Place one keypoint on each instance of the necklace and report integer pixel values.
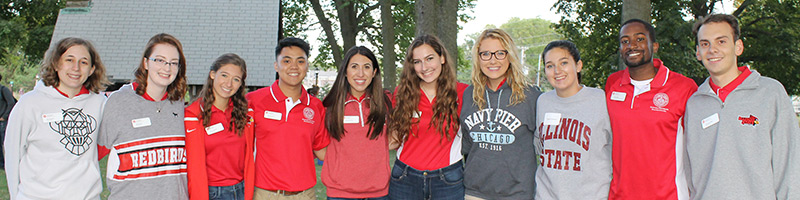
(160, 105)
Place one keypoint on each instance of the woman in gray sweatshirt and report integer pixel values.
(497, 122)
(574, 137)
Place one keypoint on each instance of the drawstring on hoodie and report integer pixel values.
(489, 102)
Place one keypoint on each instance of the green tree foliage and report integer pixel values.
(770, 31)
(362, 28)
(26, 27)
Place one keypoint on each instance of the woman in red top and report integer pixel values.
(425, 124)
(219, 135)
(357, 159)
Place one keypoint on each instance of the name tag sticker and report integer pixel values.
(214, 128)
(710, 120)
(272, 115)
(618, 96)
(51, 117)
(141, 122)
(351, 119)
(552, 118)
(417, 114)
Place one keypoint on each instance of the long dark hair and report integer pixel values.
(445, 109)
(334, 101)
(239, 113)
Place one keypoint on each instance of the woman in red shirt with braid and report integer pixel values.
(219, 135)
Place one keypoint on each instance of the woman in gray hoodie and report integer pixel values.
(498, 121)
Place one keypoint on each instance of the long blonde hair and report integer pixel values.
(515, 77)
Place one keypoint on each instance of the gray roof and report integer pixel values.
(120, 29)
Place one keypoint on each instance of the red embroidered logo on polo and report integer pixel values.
(660, 100)
(752, 120)
(308, 113)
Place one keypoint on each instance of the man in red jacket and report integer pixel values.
(646, 104)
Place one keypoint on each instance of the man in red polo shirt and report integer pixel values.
(288, 128)
(646, 103)
(742, 137)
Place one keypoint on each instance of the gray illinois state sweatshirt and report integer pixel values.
(745, 148)
(498, 145)
(574, 146)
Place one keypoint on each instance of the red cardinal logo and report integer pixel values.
(752, 120)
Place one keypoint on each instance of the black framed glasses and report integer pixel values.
(162, 62)
(499, 54)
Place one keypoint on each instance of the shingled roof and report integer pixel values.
(120, 29)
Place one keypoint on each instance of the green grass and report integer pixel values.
(320, 188)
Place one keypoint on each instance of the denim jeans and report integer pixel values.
(374, 198)
(233, 192)
(440, 184)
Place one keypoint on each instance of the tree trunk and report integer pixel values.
(634, 9)
(389, 67)
(326, 26)
(348, 24)
(440, 18)
(448, 29)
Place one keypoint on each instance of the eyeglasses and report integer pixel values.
(499, 54)
(162, 62)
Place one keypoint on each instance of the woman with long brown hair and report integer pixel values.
(425, 124)
(219, 135)
(357, 159)
(50, 145)
(143, 126)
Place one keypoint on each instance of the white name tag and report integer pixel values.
(141, 122)
(618, 96)
(417, 114)
(51, 117)
(552, 118)
(351, 119)
(214, 128)
(710, 120)
(272, 115)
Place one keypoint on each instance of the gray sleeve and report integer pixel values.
(785, 149)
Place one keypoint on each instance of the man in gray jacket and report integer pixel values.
(742, 138)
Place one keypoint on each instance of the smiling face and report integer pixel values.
(495, 69)
(359, 74)
(162, 66)
(74, 67)
(635, 46)
(227, 80)
(427, 63)
(292, 66)
(562, 71)
(717, 49)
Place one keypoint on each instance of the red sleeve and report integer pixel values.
(321, 138)
(249, 161)
(195, 155)
(102, 152)
(611, 79)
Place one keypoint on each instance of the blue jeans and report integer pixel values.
(233, 192)
(440, 184)
(374, 198)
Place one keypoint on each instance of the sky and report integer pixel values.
(498, 12)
